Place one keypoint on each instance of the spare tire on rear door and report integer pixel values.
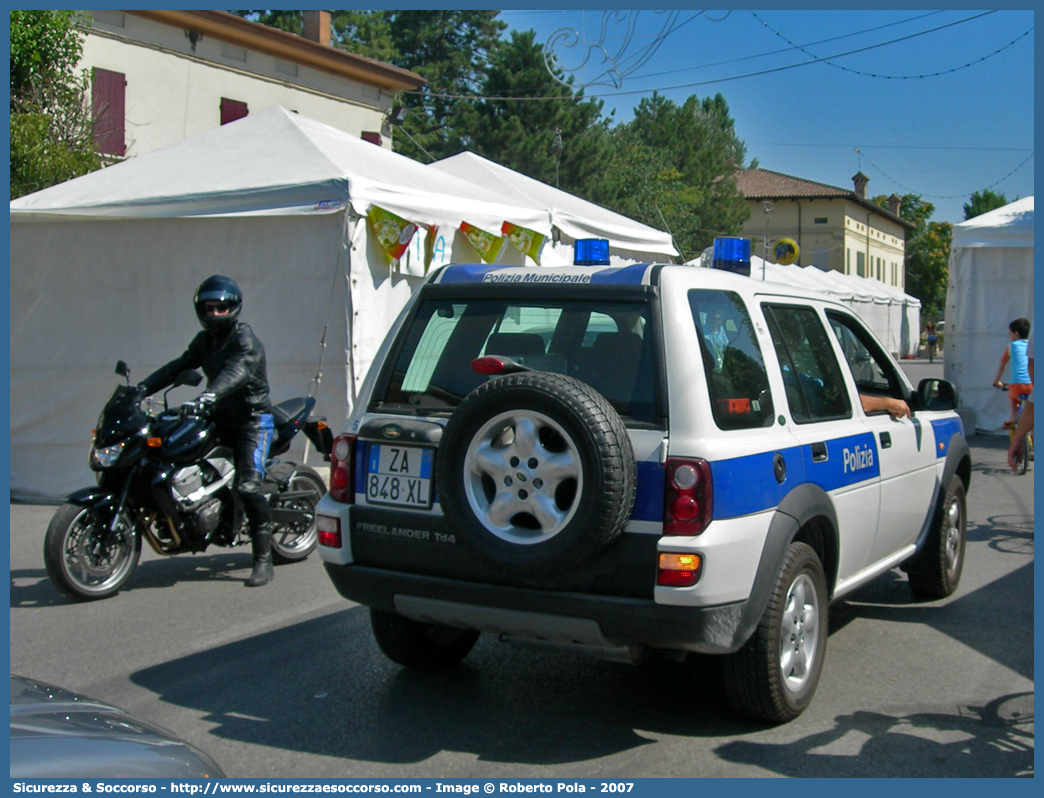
(536, 472)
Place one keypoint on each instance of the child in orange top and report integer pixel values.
(1020, 384)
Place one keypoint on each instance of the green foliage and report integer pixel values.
(450, 49)
(927, 252)
(289, 21)
(50, 119)
(40, 159)
(45, 46)
(983, 202)
(697, 155)
(559, 142)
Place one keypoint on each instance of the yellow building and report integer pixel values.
(835, 228)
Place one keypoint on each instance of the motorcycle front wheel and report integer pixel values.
(293, 541)
(80, 563)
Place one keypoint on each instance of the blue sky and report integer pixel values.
(937, 103)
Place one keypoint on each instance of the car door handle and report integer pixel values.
(819, 452)
(886, 440)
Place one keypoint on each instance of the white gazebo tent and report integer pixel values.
(103, 267)
(991, 283)
(570, 216)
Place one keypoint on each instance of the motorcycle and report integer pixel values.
(168, 478)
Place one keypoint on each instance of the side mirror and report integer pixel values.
(123, 370)
(935, 394)
(189, 377)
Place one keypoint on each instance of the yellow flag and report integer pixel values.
(487, 244)
(529, 242)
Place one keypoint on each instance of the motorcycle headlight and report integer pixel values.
(107, 455)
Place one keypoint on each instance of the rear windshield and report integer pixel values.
(606, 344)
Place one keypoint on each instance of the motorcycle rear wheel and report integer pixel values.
(293, 542)
(79, 563)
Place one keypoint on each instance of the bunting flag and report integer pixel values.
(487, 244)
(393, 232)
(529, 242)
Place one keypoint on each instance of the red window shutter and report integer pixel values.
(231, 110)
(372, 137)
(108, 111)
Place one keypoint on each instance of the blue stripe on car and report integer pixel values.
(628, 275)
(945, 429)
(746, 485)
(648, 498)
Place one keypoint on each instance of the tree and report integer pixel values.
(983, 202)
(927, 252)
(51, 124)
(698, 140)
(560, 142)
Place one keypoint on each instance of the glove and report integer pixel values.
(201, 406)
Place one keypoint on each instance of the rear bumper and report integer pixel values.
(544, 615)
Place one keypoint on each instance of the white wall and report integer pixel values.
(173, 93)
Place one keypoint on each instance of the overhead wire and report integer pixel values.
(943, 196)
(713, 80)
(896, 77)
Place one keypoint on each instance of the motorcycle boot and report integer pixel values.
(261, 542)
(260, 518)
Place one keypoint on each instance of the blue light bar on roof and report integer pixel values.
(591, 252)
(732, 255)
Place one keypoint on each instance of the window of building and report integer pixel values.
(820, 220)
(231, 110)
(860, 261)
(108, 110)
(848, 261)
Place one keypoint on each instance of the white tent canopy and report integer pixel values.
(892, 315)
(570, 216)
(103, 267)
(991, 283)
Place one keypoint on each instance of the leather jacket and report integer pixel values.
(234, 365)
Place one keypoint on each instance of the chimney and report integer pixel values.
(317, 26)
(894, 202)
(860, 180)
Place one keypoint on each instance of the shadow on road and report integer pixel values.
(30, 587)
(995, 740)
(526, 706)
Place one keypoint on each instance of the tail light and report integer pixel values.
(329, 530)
(679, 570)
(688, 496)
(342, 469)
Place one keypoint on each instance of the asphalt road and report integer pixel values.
(286, 680)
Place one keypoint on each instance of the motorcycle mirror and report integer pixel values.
(123, 370)
(189, 377)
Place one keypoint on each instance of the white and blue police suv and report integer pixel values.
(639, 459)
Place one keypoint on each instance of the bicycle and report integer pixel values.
(1024, 457)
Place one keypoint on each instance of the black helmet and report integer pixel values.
(218, 288)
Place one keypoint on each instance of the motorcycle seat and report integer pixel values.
(284, 411)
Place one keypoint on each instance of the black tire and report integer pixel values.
(294, 542)
(775, 675)
(420, 646)
(943, 562)
(536, 473)
(78, 564)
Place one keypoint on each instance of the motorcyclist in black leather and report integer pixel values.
(236, 399)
